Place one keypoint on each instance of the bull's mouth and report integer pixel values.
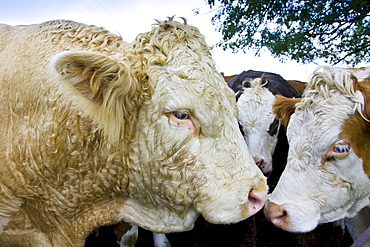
(229, 212)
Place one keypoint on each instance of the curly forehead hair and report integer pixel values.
(328, 81)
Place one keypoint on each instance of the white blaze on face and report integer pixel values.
(324, 179)
(257, 121)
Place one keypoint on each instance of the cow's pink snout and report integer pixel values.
(276, 214)
(256, 201)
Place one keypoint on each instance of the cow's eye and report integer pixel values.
(338, 149)
(181, 115)
(341, 148)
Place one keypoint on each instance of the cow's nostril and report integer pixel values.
(280, 220)
(276, 214)
(260, 163)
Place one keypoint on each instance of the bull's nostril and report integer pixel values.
(256, 201)
(253, 201)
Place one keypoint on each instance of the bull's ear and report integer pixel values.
(99, 85)
(284, 108)
(88, 72)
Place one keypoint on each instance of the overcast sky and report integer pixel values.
(131, 17)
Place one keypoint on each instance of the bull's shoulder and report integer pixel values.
(7, 34)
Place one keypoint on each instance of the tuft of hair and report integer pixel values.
(255, 86)
(146, 54)
(258, 83)
(326, 81)
(156, 47)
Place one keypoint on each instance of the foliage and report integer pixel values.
(303, 30)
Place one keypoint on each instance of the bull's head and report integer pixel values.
(166, 105)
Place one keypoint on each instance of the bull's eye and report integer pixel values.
(274, 127)
(181, 115)
(338, 149)
(183, 119)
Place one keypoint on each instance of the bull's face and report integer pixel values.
(193, 154)
(170, 116)
(259, 125)
(324, 179)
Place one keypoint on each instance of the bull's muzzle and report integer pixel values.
(256, 201)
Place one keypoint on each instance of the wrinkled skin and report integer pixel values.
(195, 137)
(97, 131)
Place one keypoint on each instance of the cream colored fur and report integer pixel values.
(89, 137)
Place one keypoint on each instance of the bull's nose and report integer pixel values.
(276, 214)
(256, 201)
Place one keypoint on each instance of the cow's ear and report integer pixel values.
(284, 108)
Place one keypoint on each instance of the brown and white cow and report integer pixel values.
(96, 131)
(328, 168)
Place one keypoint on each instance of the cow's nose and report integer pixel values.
(256, 201)
(260, 163)
(276, 214)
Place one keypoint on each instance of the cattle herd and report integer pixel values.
(110, 143)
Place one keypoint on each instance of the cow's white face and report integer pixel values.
(324, 179)
(259, 125)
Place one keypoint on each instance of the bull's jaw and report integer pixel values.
(157, 219)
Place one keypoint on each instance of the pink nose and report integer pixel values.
(276, 214)
(256, 201)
